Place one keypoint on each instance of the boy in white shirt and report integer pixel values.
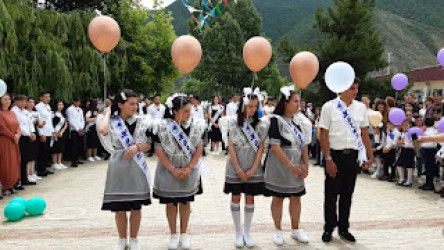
(430, 150)
(390, 152)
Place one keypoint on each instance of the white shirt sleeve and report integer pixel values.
(325, 120)
(70, 117)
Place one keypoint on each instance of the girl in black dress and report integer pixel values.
(92, 140)
(215, 113)
(58, 144)
(34, 145)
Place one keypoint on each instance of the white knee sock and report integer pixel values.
(401, 174)
(409, 175)
(235, 212)
(248, 217)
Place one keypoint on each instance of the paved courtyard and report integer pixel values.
(384, 216)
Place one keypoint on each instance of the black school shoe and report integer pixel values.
(426, 187)
(346, 235)
(326, 237)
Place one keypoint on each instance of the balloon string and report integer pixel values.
(396, 97)
(104, 78)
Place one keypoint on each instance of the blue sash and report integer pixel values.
(122, 132)
(362, 156)
(251, 135)
(296, 133)
(184, 143)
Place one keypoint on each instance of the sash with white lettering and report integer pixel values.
(296, 133)
(185, 144)
(362, 156)
(251, 135)
(216, 116)
(57, 129)
(88, 126)
(122, 132)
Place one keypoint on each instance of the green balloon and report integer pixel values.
(19, 200)
(35, 206)
(14, 211)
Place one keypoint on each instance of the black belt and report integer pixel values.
(345, 151)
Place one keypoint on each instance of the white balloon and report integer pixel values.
(339, 77)
(3, 88)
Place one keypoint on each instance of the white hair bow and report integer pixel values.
(122, 94)
(169, 101)
(286, 91)
(250, 92)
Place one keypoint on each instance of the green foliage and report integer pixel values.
(222, 66)
(48, 50)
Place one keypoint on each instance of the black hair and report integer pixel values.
(54, 106)
(119, 99)
(156, 95)
(429, 121)
(44, 93)
(196, 97)
(146, 98)
(212, 99)
(19, 98)
(92, 106)
(357, 80)
(76, 99)
(240, 113)
(178, 103)
(272, 98)
(280, 107)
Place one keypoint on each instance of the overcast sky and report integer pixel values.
(149, 3)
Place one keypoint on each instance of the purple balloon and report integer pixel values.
(441, 125)
(441, 57)
(397, 116)
(400, 81)
(414, 130)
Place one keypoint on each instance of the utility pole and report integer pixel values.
(389, 60)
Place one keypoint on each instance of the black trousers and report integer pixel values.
(24, 145)
(76, 144)
(430, 165)
(343, 185)
(44, 154)
(389, 162)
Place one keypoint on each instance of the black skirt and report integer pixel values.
(268, 193)
(118, 206)
(244, 188)
(33, 152)
(214, 134)
(175, 201)
(92, 139)
(58, 146)
(406, 158)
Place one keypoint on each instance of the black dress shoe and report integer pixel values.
(426, 188)
(74, 165)
(49, 172)
(43, 174)
(19, 188)
(150, 154)
(326, 237)
(80, 162)
(347, 236)
(391, 180)
(29, 183)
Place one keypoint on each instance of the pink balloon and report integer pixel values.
(104, 33)
(186, 53)
(257, 53)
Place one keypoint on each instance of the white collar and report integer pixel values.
(131, 120)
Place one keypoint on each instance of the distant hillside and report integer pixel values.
(413, 29)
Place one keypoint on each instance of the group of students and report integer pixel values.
(178, 144)
(394, 148)
(42, 134)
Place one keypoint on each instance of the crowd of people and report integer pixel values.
(34, 140)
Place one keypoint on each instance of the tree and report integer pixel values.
(222, 63)
(350, 36)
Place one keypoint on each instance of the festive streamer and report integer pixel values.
(207, 15)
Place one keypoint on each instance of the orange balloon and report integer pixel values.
(104, 33)
(186, 53)
(303, 68)
(257, 53)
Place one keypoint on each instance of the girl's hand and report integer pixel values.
(17, 138)
(130, 152)
(295, 169)
(242, 175)
(186, 171)
(178, 173)
(249, 173)
(304, 173)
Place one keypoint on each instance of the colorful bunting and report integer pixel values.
(209, 8)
